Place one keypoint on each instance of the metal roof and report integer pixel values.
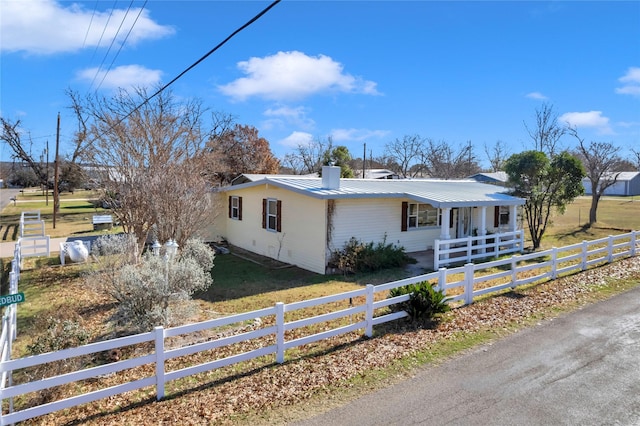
(438, 193)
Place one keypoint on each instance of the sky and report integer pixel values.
(363, 73)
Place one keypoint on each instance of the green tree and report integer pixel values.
(546, 184)
(339, 156)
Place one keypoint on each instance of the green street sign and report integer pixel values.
(10, 299)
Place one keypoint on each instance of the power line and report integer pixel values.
(106, 25)
(90, 22)
(113, 40)
(121, 44)
(222, 43)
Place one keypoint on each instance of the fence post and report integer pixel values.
(159, 331)
(521, 241)
(369, 313)
(468, 283)
(279, 332)
(633, 243)
(610, 249)
(469, 247)
(436, 254)
(514, 270)
(442, 279)
(585, 247)
(554, 263)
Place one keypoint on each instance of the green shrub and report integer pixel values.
(357, 256)
(424, 301)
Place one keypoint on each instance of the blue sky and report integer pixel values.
(360, 71)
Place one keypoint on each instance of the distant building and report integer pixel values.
(494, 178)
(627, 183)
(376, 174)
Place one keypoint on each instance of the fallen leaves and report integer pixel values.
(215, 398)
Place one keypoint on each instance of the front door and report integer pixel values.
(464, 222)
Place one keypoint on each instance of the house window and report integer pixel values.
(272, 214)
(235, 207)
(422, 215)
(501, 216)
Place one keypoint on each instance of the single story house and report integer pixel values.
(627, 184)
(302, 220)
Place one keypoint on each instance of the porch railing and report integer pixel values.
(467, 249)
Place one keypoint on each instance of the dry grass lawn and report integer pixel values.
(316, 376)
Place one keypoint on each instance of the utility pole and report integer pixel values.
(56, 200)
(364, 159)
(47, 182)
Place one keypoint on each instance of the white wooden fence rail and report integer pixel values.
(363, 311)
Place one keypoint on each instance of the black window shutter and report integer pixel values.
(496, 217)
(239, 208)
(264, 213)
(404, 217)
(230, 206)
(451, 218)
(279, 216)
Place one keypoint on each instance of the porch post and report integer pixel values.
(482, 228)
(444, 224)
(513, 218)
(444, 233)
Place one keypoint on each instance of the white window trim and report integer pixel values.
(417, 215)
(235, 207)
(272, 214)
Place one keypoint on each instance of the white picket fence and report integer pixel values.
(357, 310)
(470, 248)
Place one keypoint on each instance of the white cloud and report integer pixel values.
(293, 75)
(536, 95)
(126, 77)
(291, 115)
(631, 82)
(296, 139)
(340, 135)
(593, 119)
(46, 27)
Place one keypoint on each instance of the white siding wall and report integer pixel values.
(369, 220)
(302, 240)
(215, 230)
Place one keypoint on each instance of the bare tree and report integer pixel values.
(636, 160)
(309, 158)
(403, 154)
(497, 155)
(152, 160)
(601, 162)
(442, 160)
(546, 133)
(12, 135)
